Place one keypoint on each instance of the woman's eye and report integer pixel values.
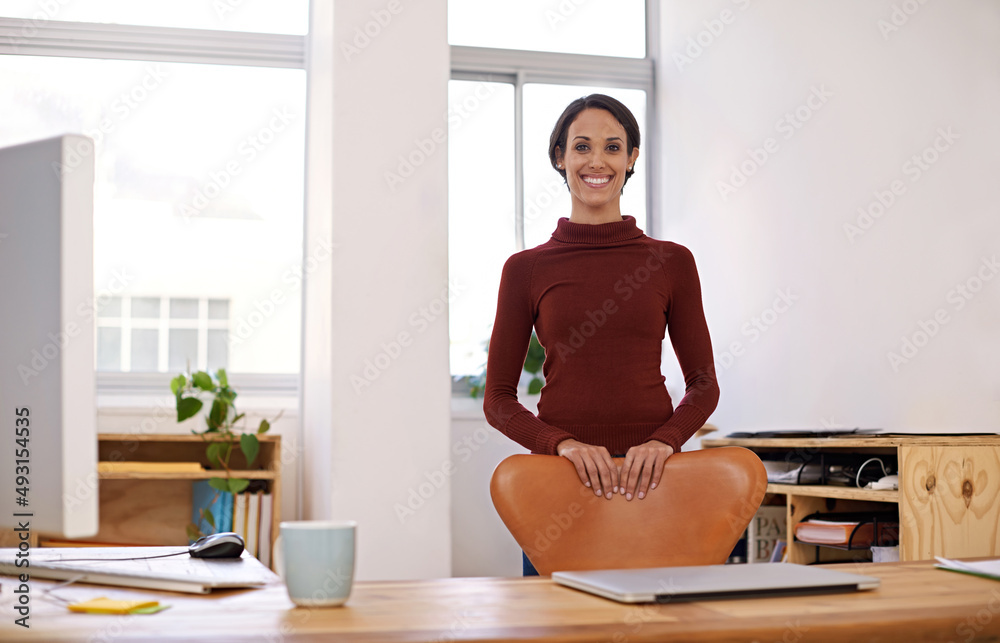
(581, 148)
(613, 148)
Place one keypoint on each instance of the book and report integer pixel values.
(204, 497)
(118, 566)
(843, 532)
(240, 515)
(264, 539)
(148, 467)
(253, 521)
(764, 531)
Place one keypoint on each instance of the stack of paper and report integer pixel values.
(985, 568)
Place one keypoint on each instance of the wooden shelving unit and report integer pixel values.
(154, 508)
(948, 498)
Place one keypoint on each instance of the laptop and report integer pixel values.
(675, 584)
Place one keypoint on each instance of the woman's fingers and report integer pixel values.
(593, 465)
(644, 466)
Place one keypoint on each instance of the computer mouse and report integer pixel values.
(227, 544)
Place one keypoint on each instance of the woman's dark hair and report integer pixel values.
(594, 101)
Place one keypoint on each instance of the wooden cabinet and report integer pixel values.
(154, 508)
(948, 497)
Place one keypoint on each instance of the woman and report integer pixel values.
(600, 295)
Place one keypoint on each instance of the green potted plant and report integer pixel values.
(533, 362)
(221, 436)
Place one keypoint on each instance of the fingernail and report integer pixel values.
(616, 489)
(652, 486)
(628, 496)
(642, 495)
(609, 495)
(586, 484)
(598, 492)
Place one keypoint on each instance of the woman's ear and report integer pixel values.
(559, 158)
(633, 156)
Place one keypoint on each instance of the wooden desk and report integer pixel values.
(915, 603)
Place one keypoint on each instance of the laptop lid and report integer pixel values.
(670, 584)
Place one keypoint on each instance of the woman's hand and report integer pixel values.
(643, 467)
(593, 464)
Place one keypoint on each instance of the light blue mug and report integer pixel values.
(316, 561)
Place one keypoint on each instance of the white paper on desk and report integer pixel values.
(989, 568)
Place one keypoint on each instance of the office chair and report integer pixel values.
(695, 516)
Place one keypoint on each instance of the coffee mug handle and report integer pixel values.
(278, 558)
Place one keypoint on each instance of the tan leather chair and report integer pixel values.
(695, 516)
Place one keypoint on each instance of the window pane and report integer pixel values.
(218, 309)
(218, 349)
(546, 198)
(199, 180)
(184, 309)
(265, 16)
(481, 213)
(183, 349)
(145, 350)
(597, 27)
(112, 307)
(109, 349)
(146, 307)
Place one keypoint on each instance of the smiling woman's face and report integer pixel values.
(596, 160)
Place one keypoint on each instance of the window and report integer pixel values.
(503, 194)
(199, 139)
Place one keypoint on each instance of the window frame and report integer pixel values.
(518, 67)
(43, 37)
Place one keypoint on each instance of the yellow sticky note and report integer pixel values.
(105, 605)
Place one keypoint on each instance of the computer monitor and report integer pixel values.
(48, 406)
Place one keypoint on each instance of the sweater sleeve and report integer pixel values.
(693, 346)
(507, 350)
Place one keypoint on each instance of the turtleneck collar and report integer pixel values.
(614, 232)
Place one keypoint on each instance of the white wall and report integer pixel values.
(377, 385)
(887, 93)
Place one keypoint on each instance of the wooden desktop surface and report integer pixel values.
(916, 602)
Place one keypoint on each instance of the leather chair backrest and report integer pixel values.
(695, 516)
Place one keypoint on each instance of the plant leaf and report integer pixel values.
(222, 377)
(250, 446)
(209, 518)
(217, 416)
(213, 453)
(536, 356)
(534, 386)
(238, 417)
(187, 407)
(237, 485)
(265, 426)
(203, 381)
(193, 533)
(177, 384)
(220, 484)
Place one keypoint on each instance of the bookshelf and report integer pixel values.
(154, 507)
(948, 497)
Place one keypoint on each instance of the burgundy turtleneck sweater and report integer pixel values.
(600, 298)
